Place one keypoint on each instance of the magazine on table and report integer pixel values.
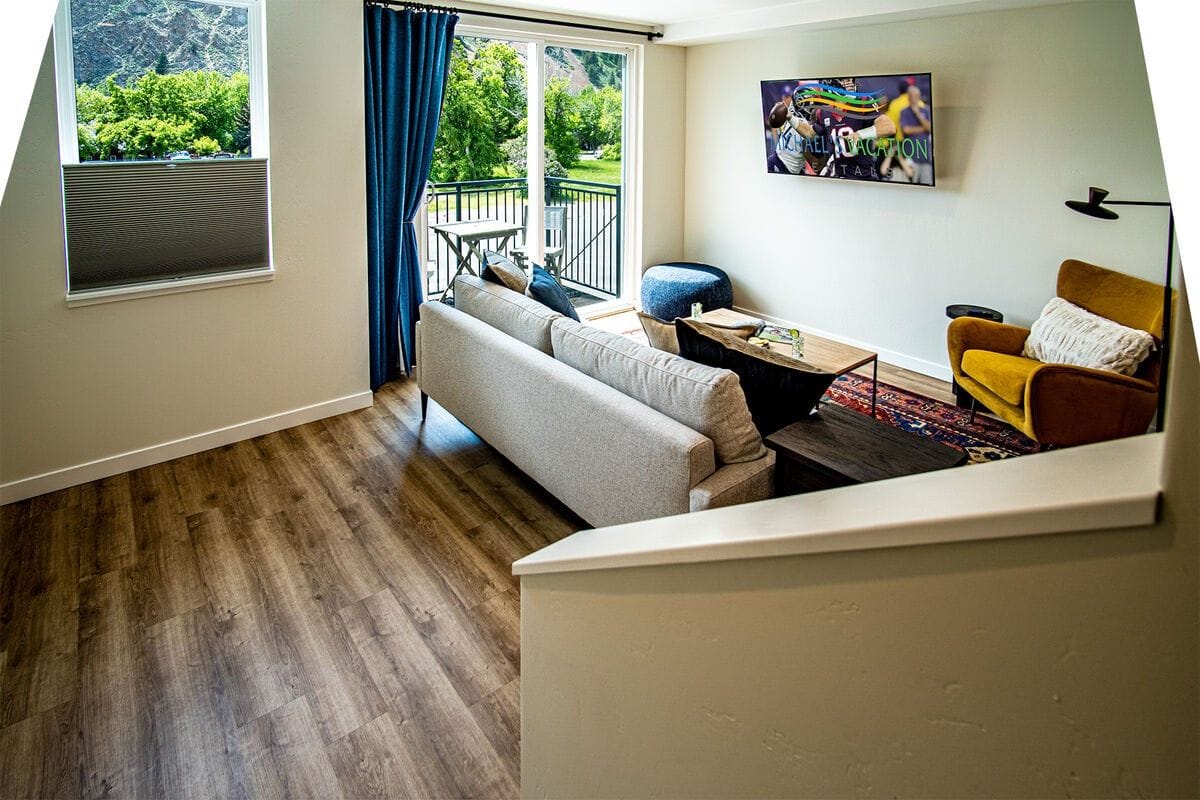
(774, 333)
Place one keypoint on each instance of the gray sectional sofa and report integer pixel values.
(617, 431)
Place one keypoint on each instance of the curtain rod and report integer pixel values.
(650, 35)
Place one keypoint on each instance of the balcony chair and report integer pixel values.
(555, 223)
(1059, 404)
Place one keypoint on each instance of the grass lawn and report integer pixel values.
(598, 171)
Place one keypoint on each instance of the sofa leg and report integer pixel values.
(974, 408)
(424, 406)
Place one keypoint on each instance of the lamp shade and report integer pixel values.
(1094, 206)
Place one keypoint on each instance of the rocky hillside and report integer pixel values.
(581, 68)
(126, 37)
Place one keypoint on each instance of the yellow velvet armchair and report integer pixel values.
(1059, 404)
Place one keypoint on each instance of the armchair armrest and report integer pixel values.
(1070, 405)
(970, 333)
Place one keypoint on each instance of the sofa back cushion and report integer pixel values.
(521, 317)
(706, 399)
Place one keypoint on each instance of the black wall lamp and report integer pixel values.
(1096, 207)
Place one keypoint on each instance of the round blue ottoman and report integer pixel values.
(668, 290)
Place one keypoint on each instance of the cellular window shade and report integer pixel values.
(137, 222)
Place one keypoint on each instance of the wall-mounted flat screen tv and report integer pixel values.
(871, 128)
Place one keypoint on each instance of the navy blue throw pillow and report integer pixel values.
(547, 291)
(779, 389)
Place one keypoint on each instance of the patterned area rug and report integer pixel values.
(987, 439)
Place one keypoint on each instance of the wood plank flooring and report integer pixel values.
(323, 612)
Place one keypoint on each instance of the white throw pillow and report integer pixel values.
(1068, 334)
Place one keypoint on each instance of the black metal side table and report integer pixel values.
(961, 398)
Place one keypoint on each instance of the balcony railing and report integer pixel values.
(591, 262)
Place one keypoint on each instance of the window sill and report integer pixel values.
(118, 293)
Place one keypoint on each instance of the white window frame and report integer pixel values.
(64, 71)
(68, 144)
(631, 144)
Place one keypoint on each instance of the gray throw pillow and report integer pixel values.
(501, 269)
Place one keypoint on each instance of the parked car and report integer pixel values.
(179, 155)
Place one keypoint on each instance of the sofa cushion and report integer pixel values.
(547, 291)
(779, 389)
(1068, 334)
(519, 316)
(707, 400)
(502, 270)
(1004, 375)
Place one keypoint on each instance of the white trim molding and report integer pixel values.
(64, 478)
(195, 283)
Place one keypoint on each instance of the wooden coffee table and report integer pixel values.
(824, 354)
(840, 447)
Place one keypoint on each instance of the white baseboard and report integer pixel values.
(156, 454)
(920, 365)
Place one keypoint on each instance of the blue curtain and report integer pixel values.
(407, 58)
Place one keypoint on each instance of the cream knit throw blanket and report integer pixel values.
(1068, 334)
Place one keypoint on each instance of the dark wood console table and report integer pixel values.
(840, 447)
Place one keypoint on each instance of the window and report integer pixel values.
(163, 141)
(534, 135)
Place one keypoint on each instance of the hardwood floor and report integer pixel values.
(326, 611)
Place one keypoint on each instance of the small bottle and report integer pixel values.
(797, 343)
(697, 310)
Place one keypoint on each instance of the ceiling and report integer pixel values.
(700, 21)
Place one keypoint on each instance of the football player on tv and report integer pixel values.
(849, 137)
(791, 144)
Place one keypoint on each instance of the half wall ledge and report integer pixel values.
(1116, 484)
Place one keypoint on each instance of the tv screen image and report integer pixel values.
(872, 128)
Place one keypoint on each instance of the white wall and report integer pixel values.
(1030, 107)
(662, 161)
(82, 384)
(1048, 666)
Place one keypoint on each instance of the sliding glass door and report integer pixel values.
(521, 107)
(583, 170)
(478, 171)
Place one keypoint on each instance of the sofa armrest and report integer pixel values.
(1070, 405)
(970, 333)
(733, 484)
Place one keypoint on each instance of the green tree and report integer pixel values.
(484, 107)
(161, 66)
(600, 117)
(157, 114)
(605, 70)
(562, 122)
(515, 152)
(205, 146)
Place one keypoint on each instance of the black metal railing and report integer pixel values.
(592, 254)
